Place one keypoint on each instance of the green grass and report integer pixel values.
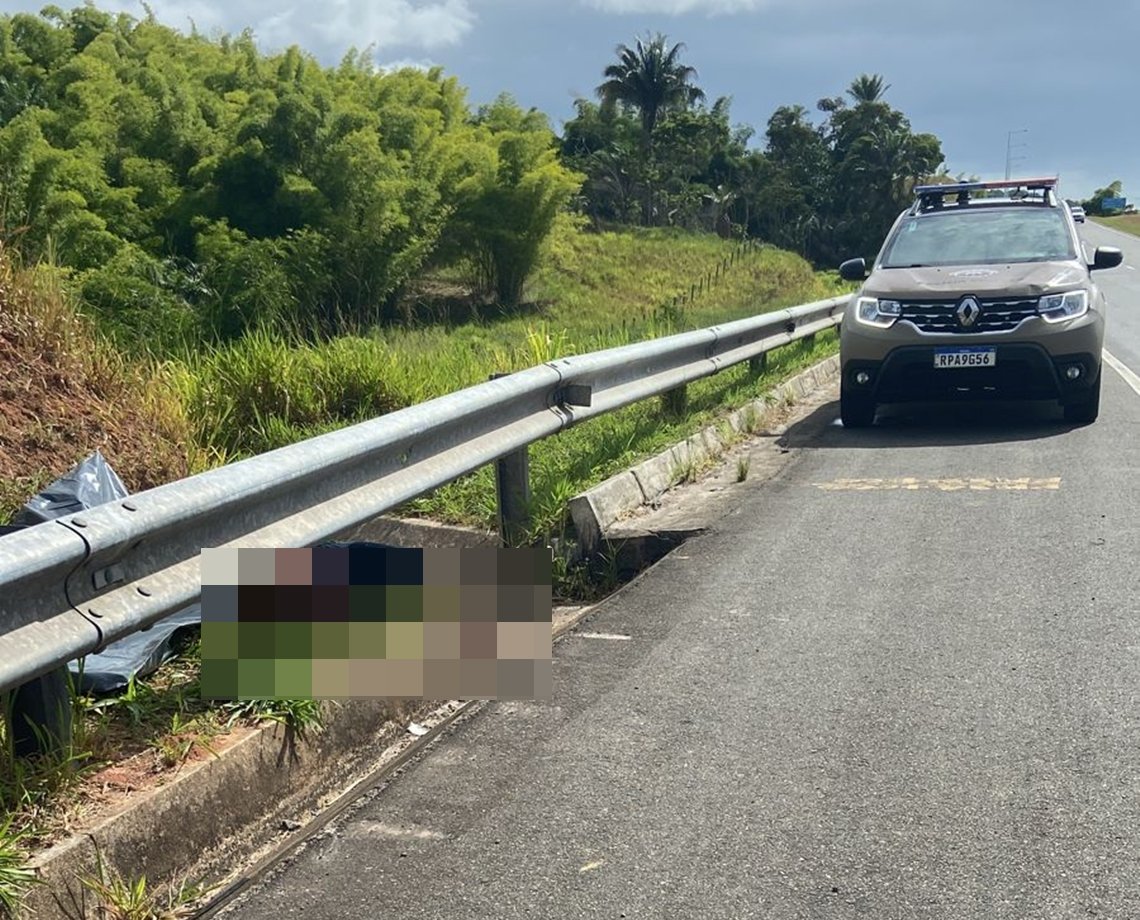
(15, 876)
(1129, 223)
(118, 898)
(743, 464)
(593, 291)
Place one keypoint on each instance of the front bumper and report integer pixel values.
(1022, 371)
(1031, 361)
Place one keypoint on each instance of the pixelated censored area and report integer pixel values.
(364, 620)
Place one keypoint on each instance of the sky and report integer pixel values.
(1056, 72)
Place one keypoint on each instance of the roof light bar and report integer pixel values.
(957, 187)
(930, 197)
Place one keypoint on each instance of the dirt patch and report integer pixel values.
(117, 786)
(64, 395)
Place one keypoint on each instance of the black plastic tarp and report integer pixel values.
(92, 482)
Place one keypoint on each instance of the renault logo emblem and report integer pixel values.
(968, 312)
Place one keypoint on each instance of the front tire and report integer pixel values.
(1085, 411)
(856, 410)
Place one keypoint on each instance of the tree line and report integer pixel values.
(192, 187)
(655, 152)
(1114, 191)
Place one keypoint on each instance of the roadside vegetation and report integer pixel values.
(65, 389)
(1129, 223)
(591, 291)
(1106, 204)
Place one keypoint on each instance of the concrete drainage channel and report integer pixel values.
(241, 807)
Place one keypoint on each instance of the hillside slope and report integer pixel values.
(63, 394)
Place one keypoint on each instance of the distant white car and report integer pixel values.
(1078, 213)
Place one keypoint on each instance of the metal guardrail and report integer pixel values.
(70, 586)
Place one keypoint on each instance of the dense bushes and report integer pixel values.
(199, 187)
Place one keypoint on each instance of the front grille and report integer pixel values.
(942, 315)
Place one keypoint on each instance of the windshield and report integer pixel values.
(980, 237)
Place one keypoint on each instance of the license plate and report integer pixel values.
(965, 357)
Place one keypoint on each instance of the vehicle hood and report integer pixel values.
(1026, 279)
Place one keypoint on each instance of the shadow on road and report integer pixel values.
(931, 425)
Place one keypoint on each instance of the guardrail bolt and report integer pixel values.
(40, 715)
(673, 401)
(758, 364)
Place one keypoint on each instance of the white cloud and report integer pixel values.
(424, 64)
(334, 25)
(678, 7)
(384, 23)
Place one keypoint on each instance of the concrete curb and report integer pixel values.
(595, 510)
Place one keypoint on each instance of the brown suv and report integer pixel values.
(975, 297)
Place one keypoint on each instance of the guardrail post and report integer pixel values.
(758, 364)
(512, 485)
(512, 489)
(40, 715)
(673, 401)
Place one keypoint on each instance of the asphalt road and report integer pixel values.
(899, 681)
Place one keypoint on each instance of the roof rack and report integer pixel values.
(930, 197)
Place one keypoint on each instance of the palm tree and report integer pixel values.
(867, 88)
(649, 78)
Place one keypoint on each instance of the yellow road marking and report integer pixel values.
(964, 484)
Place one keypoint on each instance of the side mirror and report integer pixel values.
(854, 270)
(1106, 257)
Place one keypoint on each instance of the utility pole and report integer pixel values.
(1010, 146)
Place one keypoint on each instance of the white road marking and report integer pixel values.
(612, 636)
(1131, 268)
(1117, 365)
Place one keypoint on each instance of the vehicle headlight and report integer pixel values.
(875, 312)
(1055, 308)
